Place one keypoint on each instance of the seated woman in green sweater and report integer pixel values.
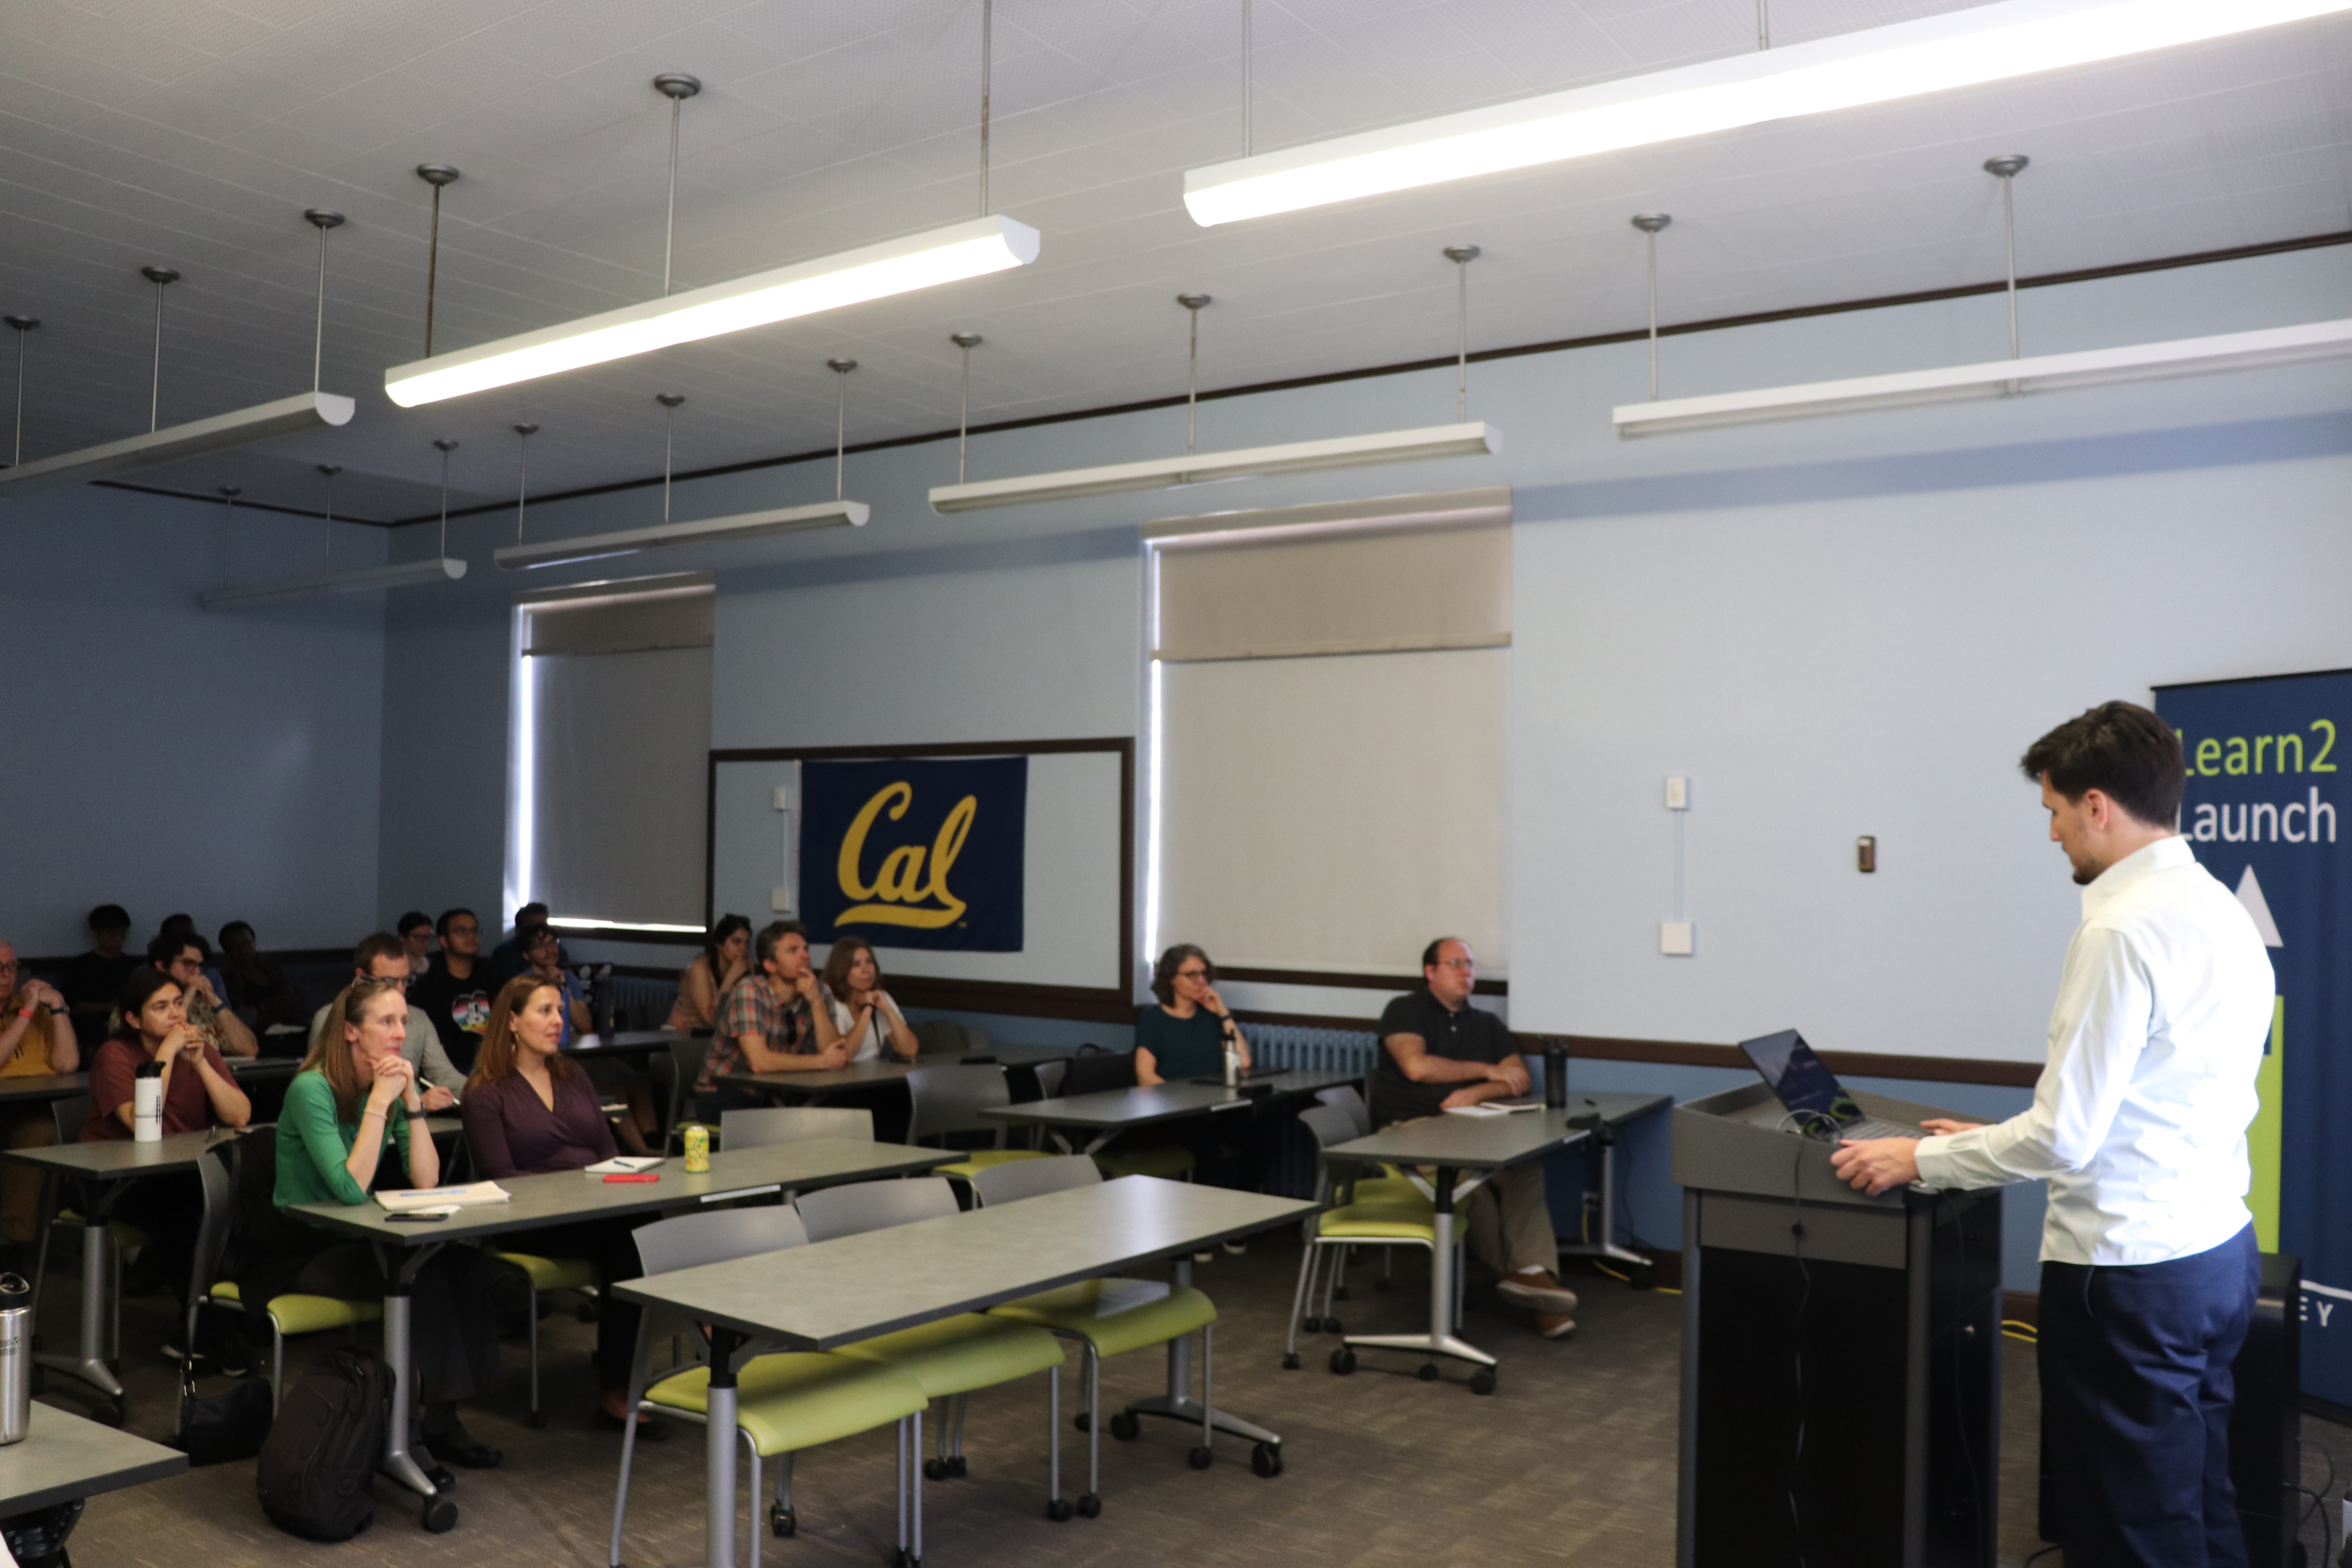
(355, 1098)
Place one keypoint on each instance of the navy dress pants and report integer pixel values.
(2135, 1393)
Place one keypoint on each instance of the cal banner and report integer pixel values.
(2265, 758)
(916, 853)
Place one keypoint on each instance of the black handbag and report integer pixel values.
(226, 1427)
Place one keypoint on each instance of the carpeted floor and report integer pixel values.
(1570, 1461)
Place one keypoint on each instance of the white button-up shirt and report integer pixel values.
(2139, 1120)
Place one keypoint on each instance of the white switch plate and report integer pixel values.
(779, 901)
(1675, 938)
(780, 798)
(1677, 793)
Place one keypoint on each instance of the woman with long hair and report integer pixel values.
(865, 1016)
(527, 1111)
(354, 1101)
(726, 957)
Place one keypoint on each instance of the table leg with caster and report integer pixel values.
(437, 1513)
(719, 1452)
(1178, 1402)
(1440, 1338)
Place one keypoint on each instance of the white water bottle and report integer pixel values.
(147, 1104)
(1233, 1064)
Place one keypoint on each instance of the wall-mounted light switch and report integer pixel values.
(1865, 853)
(780, 798)
(1675, 938)
(1677, 793)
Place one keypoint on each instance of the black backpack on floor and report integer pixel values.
(318, 1462)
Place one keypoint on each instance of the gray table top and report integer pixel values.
(263, 1067)
(565, 1196)
(1116, 1107)
(1294, 1082)
(880, 1069)
(43, 1086)
(624, 1042)
(1492, 1143)
(831, 1293)
(123, 1156)
(64, 1456)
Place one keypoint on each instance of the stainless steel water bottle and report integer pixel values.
(15, 1358)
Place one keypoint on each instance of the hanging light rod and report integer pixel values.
(304, 411)
(947, 255)
(406, 574)
(2001, 378)
(1878, 65)
(710, 530)
(1471, 440)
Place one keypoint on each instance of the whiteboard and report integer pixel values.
(1073, 917)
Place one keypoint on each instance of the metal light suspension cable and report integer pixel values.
(330, 471)
(677, 87)
(1763, 23)
(2006, 168)
(1248, 132)
(445, 446)
(158, 275)
(323, 220)
(987, 61)
(1650, 224)
(841, 368)
(669, 402)
(522, 472)
(1194, 303)
(1462, 256)
(228, 519)
(967, 342)
(24, 326)
(435, 175)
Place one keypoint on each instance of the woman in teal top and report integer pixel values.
(1183, 1034)
(354, 1099)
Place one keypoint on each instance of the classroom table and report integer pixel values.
(832, 1293)
(64, 1456)
(638, 1042)
(813, 1087)
(1112, 1112)
(568, 1197)
(43, 1086)
(105, 1168)
(1453, 1144)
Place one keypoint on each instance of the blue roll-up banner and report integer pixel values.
(924, 854)
(2265, 758)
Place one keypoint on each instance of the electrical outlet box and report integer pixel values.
(780, 798)
(1677, 793)
(779, 901)
(1675, 938)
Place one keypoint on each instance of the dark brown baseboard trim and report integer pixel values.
(1354, 982)
(2021, 1307)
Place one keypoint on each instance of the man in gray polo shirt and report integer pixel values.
(385, 956)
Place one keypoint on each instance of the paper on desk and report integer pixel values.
(441, 1200)
(1494, 1107)
(623, 1164)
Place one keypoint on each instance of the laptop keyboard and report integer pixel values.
(1871, 1129)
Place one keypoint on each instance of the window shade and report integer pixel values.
(633, 623)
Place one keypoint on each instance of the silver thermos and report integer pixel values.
(15, 1358)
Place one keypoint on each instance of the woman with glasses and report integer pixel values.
(1184, 1034)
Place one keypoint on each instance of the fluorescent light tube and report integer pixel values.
(1997, 378)
(306, 411)
(1957, 48)
(1471, 440)
(582, 922)
(710, 530)
(406, 574)
(896, 267)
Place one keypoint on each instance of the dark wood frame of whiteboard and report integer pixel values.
(1103, 1004)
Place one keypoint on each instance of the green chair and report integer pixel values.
(950, 1100)
(542, 1275)
(1348, 1188)
(1108, 1318)
(1370, 1215)
(1102, 1072)
(289, 1314)
(785, 1402)
(954, 1356)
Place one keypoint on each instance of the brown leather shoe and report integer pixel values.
(1554, 1325)
(1539, 1291)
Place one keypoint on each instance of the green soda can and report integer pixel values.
(698, 1151)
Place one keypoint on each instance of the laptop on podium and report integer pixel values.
(1804, 1084)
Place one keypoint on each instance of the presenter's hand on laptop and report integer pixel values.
(1875, 1165)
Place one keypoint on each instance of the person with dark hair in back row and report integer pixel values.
(382, 956)
(2149, 1265)
(93, 981)
(180, 955)
(725, 958)
(1182, 1036)
(414, 931)
(254, 981)
(455, 993)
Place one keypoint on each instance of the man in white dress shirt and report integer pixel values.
(2148, 1262)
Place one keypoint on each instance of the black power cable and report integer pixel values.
(1805, 1299)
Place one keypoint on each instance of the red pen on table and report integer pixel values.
(633, 1176)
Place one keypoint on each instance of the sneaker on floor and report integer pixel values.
(1554, 1325)
(1537, 1290)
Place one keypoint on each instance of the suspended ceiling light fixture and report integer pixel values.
(523, 471)
(966, 342)
(971, 249)
(439, 176)
(441, 568)
(1878, 65)
(1462, 438)
(1999, 378)
(305, 411)
(834, 513)
(1650, 224)
(22, 327)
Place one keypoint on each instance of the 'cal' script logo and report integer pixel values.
(905, 892)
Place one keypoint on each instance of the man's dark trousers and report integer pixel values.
(2135, 1393)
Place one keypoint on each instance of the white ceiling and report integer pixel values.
(193, 133)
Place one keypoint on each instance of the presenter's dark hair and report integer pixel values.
(763, 946)
(1163, 974)
(2122, 750)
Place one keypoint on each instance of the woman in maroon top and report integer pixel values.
(529, 1111)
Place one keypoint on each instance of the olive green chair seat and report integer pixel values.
(1115, 1316)
(296, 1314)
(1170, 1161)
(957, 1355)
(1385, 1212)
(544, 1274)
(979, 1160)
(796, 1400)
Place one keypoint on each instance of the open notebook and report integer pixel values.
(441, 1200)
(1495, 1107)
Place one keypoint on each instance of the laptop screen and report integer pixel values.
(1801, 1079)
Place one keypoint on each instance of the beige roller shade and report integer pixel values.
(628, 620)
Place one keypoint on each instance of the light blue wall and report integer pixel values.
(165, 757)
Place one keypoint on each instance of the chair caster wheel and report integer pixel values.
(1090, 1506)
(1311, 1325)
(1428, 1373)
(957, 1466)
(1059, 1511)
(587, 1310)
(1083, 1421)
(1125, 1426)
(935, 1471)
(1290, 1361)
(1483, 1381)
(1266, 1461)
(1201, 1458)
(781, 1521)
(1343, 1361)
(1381, 1286)
(535, 1420)
(1340, 1294)
(439, 1516)
(1331, 1326)
(113, 1413)
(1642, 1277)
